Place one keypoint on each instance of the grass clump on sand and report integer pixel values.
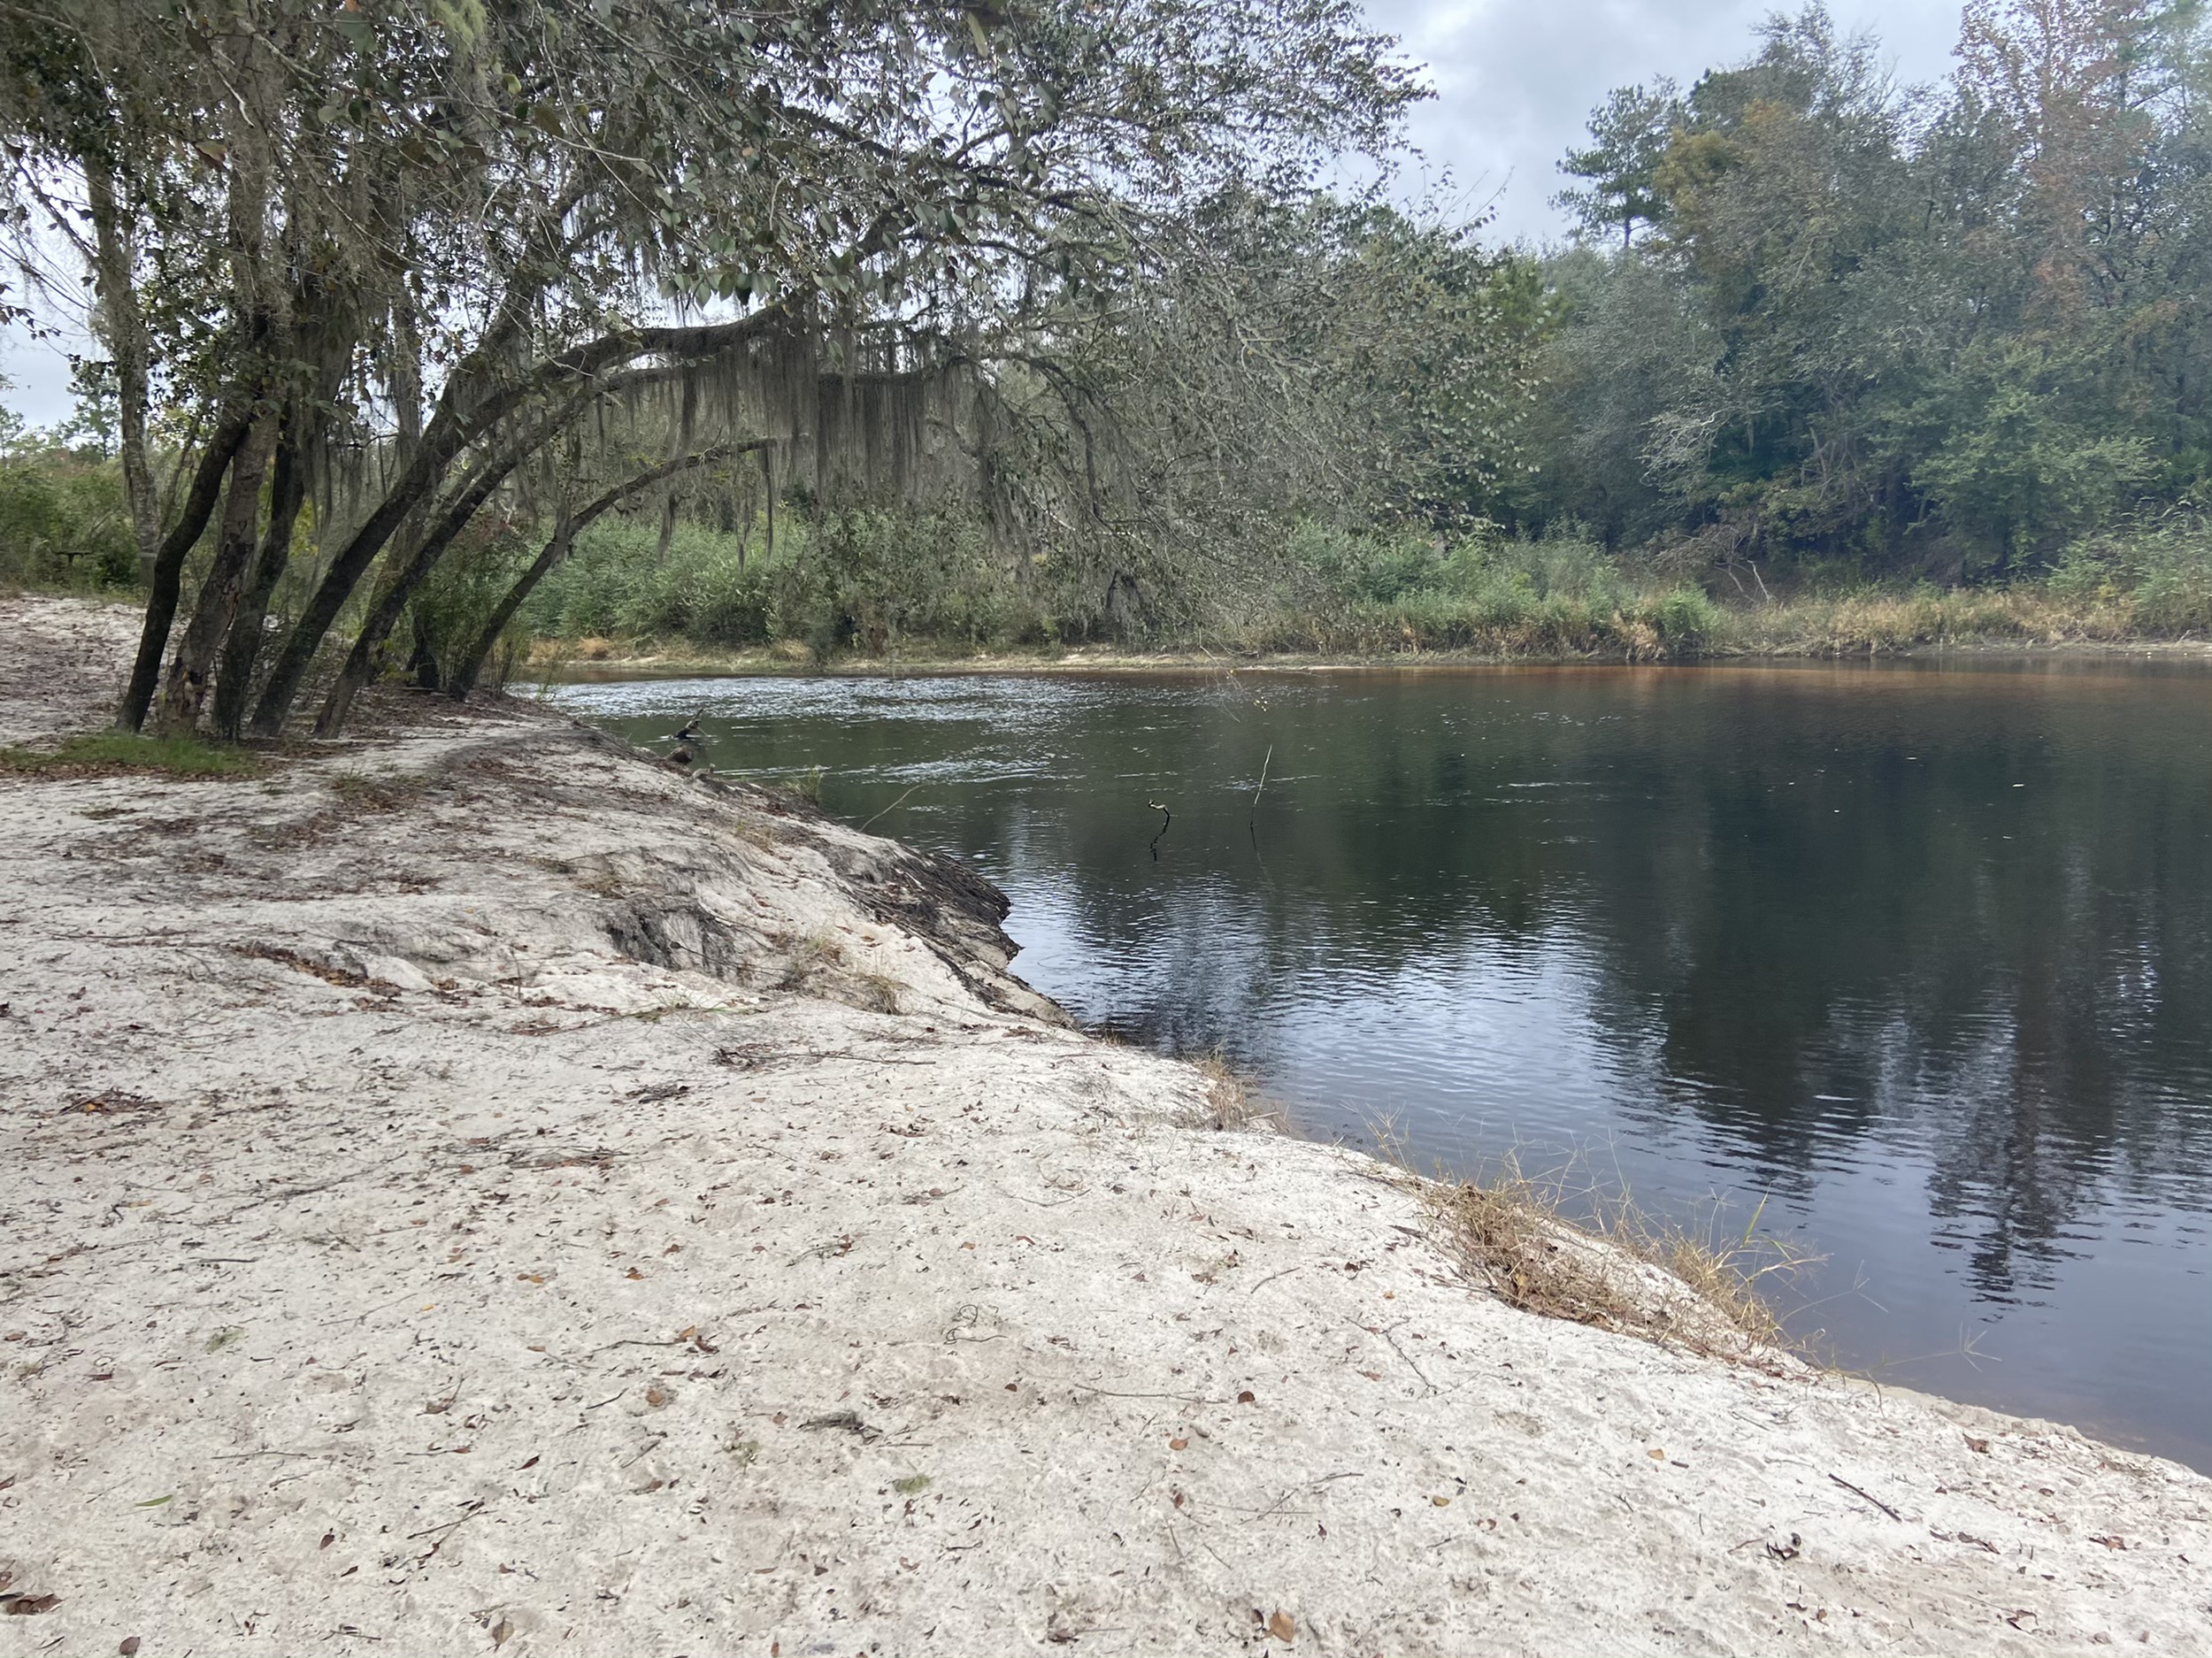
(1232, 1098)
(1619, 1271)
(105, 753)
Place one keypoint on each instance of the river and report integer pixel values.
(1905, 967)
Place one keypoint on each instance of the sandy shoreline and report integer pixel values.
(474, 1189)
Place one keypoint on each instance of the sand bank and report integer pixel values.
(473, 1189)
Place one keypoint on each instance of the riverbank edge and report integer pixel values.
(556, 668)
(188, 961)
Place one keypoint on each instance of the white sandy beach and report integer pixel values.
(474, 1189)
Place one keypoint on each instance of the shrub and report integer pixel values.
(1686, 619)
(65, 521)
(2158, 568)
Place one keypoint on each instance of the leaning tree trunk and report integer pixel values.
(471, 667)
(368, 646)
(451, 430)
(565, 534)
(161, 599)
(184, 689)
(242, 645)
(423, 659)
(446, 437)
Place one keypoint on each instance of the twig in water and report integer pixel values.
(1251, 823)
(893, 806)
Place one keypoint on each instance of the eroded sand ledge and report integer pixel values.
(467, 1190)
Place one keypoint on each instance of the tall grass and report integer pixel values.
(869, 583)
(2156, 572)
(1486, 594)
(872, 583)
(1585, 1253)
(861, 580)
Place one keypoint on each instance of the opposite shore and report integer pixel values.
(1855, 643)
(475, 1188)
(628, 659)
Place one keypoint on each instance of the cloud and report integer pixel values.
(1515, 80)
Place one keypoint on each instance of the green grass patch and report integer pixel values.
(105, 753)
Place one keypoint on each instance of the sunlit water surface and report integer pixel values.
(1919, 958)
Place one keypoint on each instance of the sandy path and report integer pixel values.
(476, 1190)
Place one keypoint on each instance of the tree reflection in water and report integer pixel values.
(1840, 934)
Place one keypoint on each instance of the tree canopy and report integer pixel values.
(1940, 330)
(374, 266)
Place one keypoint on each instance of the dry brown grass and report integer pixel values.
(1624, 627)
(1888, 624)
(1234, 1102)
(1616, 1269)
(817, 965)
(871, 993)
(816, 957)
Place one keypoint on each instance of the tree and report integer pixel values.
(1629, 135)
(1941, 330)
(1324, 360)
(383, 257)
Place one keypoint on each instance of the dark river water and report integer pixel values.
(1918, 958)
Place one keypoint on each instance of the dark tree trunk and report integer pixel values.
(241, 647)
(186, 687)
(768, 494)
(124, 325)
(161, 599)
(423, 662)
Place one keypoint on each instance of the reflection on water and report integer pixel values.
(1923, 957)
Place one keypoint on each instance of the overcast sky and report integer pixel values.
(1515, 81)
